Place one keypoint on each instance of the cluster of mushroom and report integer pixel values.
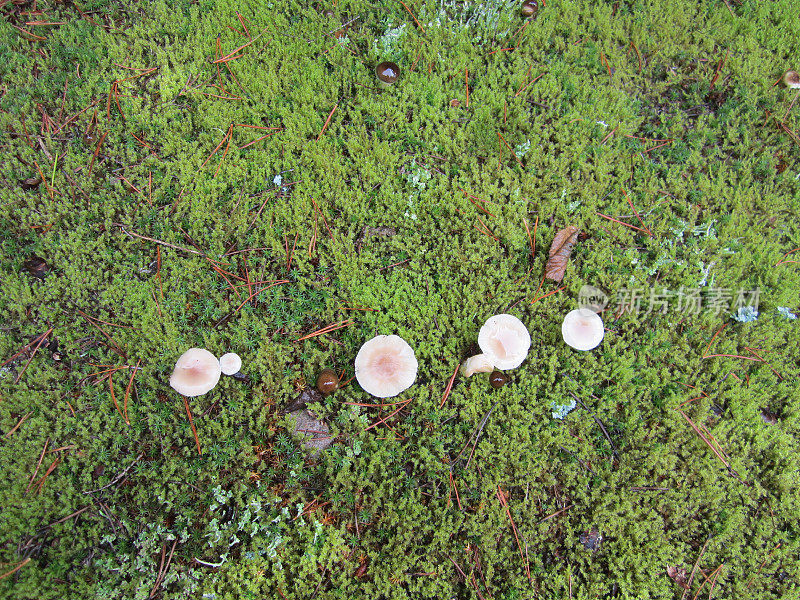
(198, 371)
(385, 365)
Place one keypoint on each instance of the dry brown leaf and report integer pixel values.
(560, 250)
(678, 576)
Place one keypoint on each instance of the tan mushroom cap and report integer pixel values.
(505, 340)
(582, 329)
(196, 372)
(230, 363)
(385, 366)
(792, 79)
(480, 363)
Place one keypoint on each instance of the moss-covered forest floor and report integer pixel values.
(229, 175)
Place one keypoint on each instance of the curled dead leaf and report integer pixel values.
(678, 576)
(560, 250)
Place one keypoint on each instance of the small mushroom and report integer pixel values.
(480, 363)
(792, 79)
(505, 339)
(196, 372)
(497, 379)
(387, 73)
(385, 366)
(230, 363)
(582, 329)
(529, 9)
(505, 342)
(327, 382)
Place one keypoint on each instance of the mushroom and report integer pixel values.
(792, 79)
(505, 342)
(498, 379)
(385, 366)
(230, 363)
(387, 73)
(529, 8)
(196, 372)
(582, 329)
(327, 382)
(480, 363)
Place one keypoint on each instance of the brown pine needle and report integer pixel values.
(231, 56)
(716, 452)
(112, 343)
(449, 387)
(412, 16)
(691, 577)
(50, 469)
(327, 329)
(384, 419)
(15, 569)
(623, 223)
(263, 137)
(20, 422)
(749, 583)
(713, 338)
(254, 294)
(783, 261)
(455, 487)
(514, 154)
(39, 343)
(501, 496)
(191, 422)
(605, 139)
(751, 351)
(466, 84)
(328, 120)
(535, 300)
(113, 396)
(636, 212)
(39, 464)
(524, 87)
(225, 153)
(128, 391)
(214, 151)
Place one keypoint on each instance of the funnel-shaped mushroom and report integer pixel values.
(385, 366)
(505, 339)
(582, 329)
(196, 372)
(230, 363)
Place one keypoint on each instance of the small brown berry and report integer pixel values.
(387, 72)
(327, 382)
(497, 379)
(529, 9)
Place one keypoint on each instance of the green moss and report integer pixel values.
(376, 516)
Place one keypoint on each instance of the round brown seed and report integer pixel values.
(529, 9)
(497, 379)
(387, 72)
(327, 382)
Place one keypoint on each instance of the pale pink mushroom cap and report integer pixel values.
(505, 340)
(480, 363)
(582, 329)
(385, 366)
(196, 372)
(230, 363)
